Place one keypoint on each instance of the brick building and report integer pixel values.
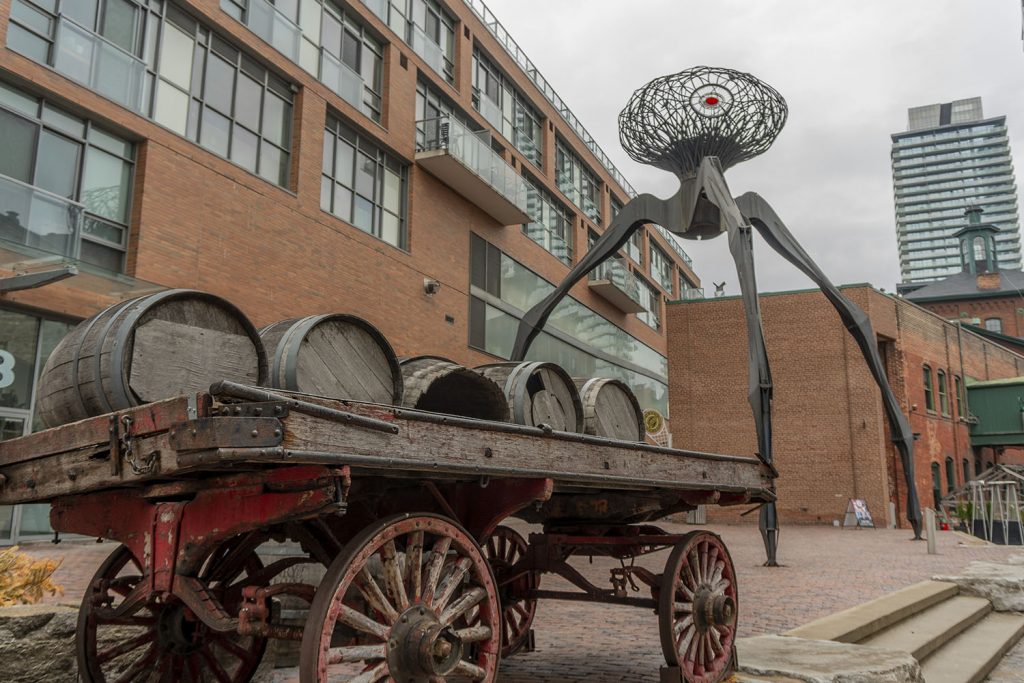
(983, 293)
(831, 436)
(308, 157)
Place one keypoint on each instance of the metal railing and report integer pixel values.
(693, 293)
(674, 243)
(618, 273)
(36, 218)
(95, 62)
(473, 150)
(340, 78)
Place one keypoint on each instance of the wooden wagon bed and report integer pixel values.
(402, 507)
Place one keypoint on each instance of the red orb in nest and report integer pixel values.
(711, 100)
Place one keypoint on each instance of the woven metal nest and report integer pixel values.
(675, 121)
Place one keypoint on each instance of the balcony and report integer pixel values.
(274, 28)
(340, 78)
(464, 161)
(614, 281)
(378, 7)
(674, 243)
(98, 64)
(693, 294)
(551, 241)
(430, 51)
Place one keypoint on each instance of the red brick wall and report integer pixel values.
(831, 439)
(1010, 309)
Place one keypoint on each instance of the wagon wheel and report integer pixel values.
(697, 608)
(503, 548)
(163, 640)
(396, 605)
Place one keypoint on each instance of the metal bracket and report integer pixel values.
(258, 409)
(227, 432)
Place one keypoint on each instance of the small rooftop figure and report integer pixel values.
(675, 121)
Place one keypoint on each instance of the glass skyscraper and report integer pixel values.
(951, 157)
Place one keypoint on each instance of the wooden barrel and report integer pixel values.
(538, 393)
(443, 386)
(610, 409)
(147, 349)
(334, 355)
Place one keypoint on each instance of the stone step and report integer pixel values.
(923, 633)
(857, 623)
(970, 656)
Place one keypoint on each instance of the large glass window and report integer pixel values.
(325, 40)
(426, 26)
(507, 109)
(661, 269)
(26, 341)
(577, 182)
(552, 225)
(583, 342)
(65, 183)
(650, 299)
(994, 325)
(157, 60)
(362, 184)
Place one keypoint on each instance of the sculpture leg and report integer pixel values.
(856, 321)
(759, 382)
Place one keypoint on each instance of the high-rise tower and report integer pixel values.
(951, 157)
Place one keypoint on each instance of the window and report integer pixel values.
(950, 476)
(362, 184)
(651, 301)
(967, 470)
(425, 26)
(943, 393)
(929, 398)
(994, 325)
(160, 62)
(936, 484)
(325, 40)
(431, 108)
(577, 182)
(65, 183)
(635, 247)
(506, 109)
(958, 386)
(552, 225)
(584, 343)
(661, 268)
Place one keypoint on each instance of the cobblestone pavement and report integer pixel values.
(825, 569)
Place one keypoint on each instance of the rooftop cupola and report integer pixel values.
(977, 243)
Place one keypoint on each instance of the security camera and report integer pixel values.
(431, 286)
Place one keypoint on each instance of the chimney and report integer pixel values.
(988, 281)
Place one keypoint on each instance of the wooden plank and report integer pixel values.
(93, 431)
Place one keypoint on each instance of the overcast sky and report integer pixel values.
(849, 71)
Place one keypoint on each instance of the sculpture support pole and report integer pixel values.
(774, 231)
(759, 380)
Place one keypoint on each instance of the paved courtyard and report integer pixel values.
(825, 569)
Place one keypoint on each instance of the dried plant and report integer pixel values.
(24, 580)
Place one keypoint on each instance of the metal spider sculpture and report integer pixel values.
(695, 124)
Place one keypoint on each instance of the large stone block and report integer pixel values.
(784, 658)
(37, 644)
(1002, 584)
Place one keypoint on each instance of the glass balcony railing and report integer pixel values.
(378, 7)
(693, 294)
(426, 48)
(36, 218)
(550, 240)
(618, 273)
(490, 111)
(340, 78)
(274, 28)
(90, 59)
(473, 150)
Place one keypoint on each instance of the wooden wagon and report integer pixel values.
(404, 508)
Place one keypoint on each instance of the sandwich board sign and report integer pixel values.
(857, 514)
